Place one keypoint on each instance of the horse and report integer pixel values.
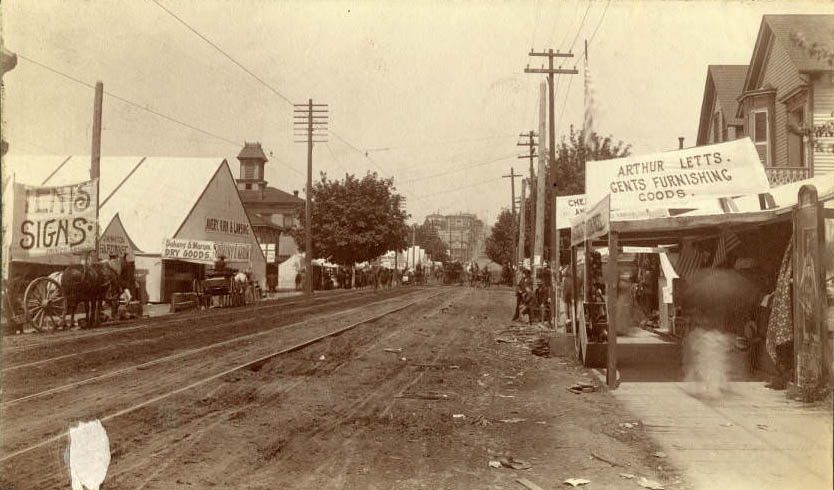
(91, 284)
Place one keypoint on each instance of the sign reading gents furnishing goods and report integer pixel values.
(203, 251)
(54, 220)
(674, 178)
(567, 207)
(217, 225)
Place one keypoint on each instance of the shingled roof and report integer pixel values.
(271, 195)
(252, 150)
(800, 34)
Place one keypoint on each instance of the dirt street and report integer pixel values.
(421, 398)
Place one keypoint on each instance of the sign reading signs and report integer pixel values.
(672, 179)
(204, 252)
(227, 227)
(568, 207)
(54, 220)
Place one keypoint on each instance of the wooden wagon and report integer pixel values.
(33, 299)
(220, 284)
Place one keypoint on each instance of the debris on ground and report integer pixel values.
(403, 359)
(321, 357)
(391, 349)
(575, 482)
(627, 476)
(494, 464)
(481, 420)
(458, 416)
(516, 464)
(762, 426)
(505, 396)
(646, 483)
(528, 484)
(728, 424)
(506, 340)
(428, 395)
(582, 387)
(541, 347)
(628, 425)
(659, 454)
(605, 459)
(512, 421)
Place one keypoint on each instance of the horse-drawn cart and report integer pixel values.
(221, 284)
(32, 299)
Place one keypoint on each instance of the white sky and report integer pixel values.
(417, 79)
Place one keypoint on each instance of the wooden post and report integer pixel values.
(575, 293)
(95, 154)
(522, 224)
(308, 210)
(611, 295)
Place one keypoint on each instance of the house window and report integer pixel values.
(248, 187)
(716, 128)
(796, 147)
(760, 133)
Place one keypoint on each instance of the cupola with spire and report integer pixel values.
(252, 160)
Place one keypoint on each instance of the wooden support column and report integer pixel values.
(611, 293)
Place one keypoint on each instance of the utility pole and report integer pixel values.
(554, 245)
(521, 224)
(310, 121)
(531, 144)
(512, 177)
(541, 190)
(95, 155)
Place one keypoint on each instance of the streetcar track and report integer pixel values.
(247, 365)
(195, 437)
(39, 342)
(172, 357)
(340, 299)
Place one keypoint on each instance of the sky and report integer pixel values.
(430, 93)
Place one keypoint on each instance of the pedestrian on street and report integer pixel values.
(523, 289)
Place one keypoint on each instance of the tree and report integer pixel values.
(427, 239)
(571, 154)
(500, 244)
(354, 220)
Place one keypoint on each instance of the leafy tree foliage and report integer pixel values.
(571, 154)
(427, 239)
(500, 244)
(354, 220)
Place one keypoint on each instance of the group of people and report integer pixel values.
(478, 276)
(534, 303)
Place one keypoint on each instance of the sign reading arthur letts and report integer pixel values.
(54, 220)
(673, 179)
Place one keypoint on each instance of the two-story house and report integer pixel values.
(718, 121)
(787, 100)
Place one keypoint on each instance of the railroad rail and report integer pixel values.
(254, 363)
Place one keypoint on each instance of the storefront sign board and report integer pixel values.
(674, 179)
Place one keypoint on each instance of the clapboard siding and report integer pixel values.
(823, 90)
(780, 72)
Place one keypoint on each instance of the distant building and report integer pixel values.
(463, 231)
(271, 211)
(718, 109)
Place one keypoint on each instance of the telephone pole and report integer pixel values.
(531, 144)
(95, 155)
(554, 245)
(310, 121)
(512, 177)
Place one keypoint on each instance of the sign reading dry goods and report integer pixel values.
(54, 220)
(203, 251)
(217, 225)
(672, 179)
(568, 207)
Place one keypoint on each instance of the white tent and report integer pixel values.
(288, 269)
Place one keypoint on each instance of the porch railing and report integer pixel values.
(786, 175)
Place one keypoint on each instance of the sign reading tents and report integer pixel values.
(204, 252)
(673, 179)
(54, 220)
(567, 208)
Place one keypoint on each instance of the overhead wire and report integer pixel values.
(459, 169)
(608, 4)
(257, 78)
(581, 24)
(129, 102)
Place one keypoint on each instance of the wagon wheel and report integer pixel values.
(44, 304)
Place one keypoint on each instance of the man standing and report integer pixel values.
(521, 291)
